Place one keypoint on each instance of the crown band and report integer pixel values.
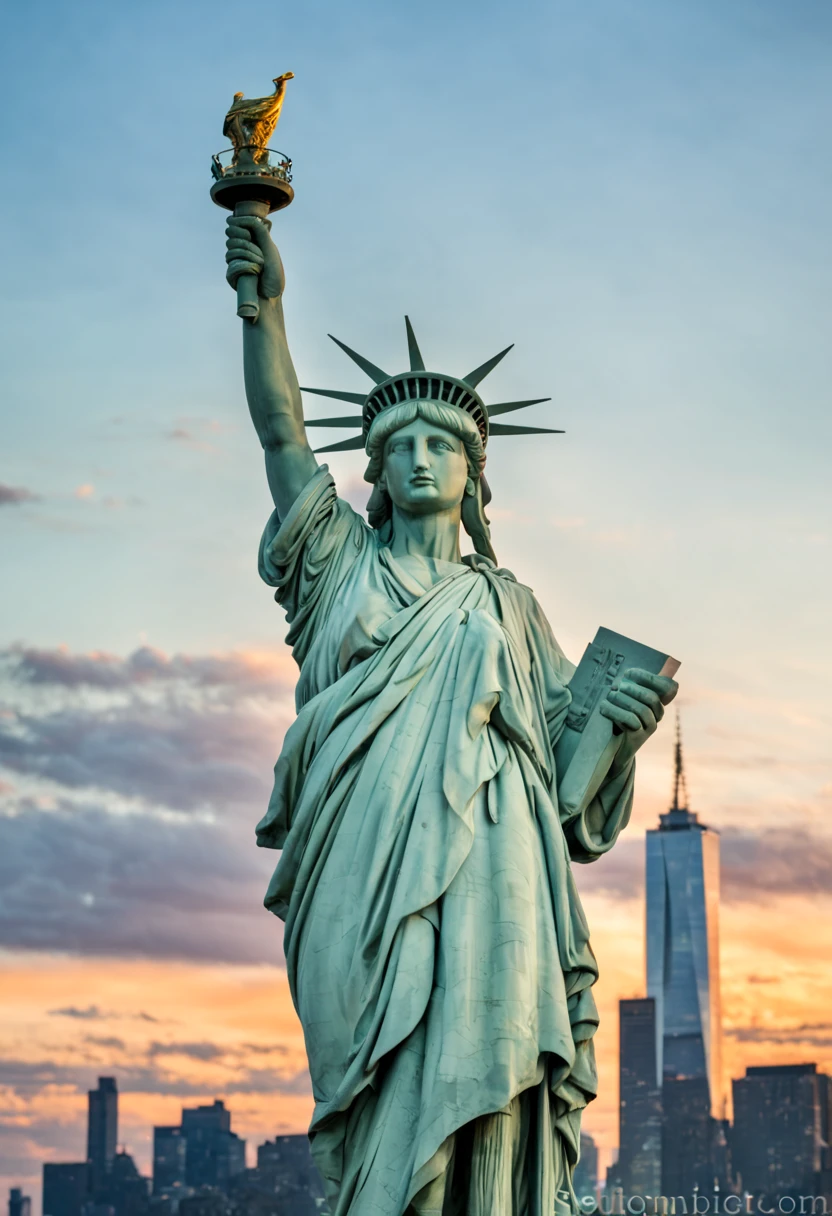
(424, 386)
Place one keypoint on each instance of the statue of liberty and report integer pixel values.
(437, 953)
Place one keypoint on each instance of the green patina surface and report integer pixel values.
(437, 952)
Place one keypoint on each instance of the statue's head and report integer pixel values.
(425, 434)
(425, 457)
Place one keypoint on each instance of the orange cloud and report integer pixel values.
(173, 1035)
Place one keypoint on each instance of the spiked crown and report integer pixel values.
(418, 384)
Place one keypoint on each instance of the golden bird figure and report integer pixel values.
(250, 124)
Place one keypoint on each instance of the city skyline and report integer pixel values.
(643, 1017)
(196, 1163)
(633, 194)
(675, 1138)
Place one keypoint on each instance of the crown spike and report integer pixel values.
(354, 420)
(353, 398)
(375, 373)
(502, 428)
(345, 445)
(479, 373)
(508, 407)
(417, 363)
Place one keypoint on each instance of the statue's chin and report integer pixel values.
(426, 501)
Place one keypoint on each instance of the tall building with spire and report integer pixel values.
(683, 979)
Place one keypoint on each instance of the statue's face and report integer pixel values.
(425, 468)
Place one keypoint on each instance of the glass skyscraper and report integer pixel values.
(683, 980)
(638, 1171)
(781, 1129)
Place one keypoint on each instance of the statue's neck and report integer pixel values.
(434, 536)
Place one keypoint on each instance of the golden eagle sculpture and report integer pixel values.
(250, 124)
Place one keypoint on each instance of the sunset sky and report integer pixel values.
(635, 192)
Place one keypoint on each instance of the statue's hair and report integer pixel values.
(459, 424)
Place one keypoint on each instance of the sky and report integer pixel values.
(637, 195)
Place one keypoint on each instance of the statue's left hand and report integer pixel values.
(635, 705)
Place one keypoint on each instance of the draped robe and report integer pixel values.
(437, 953)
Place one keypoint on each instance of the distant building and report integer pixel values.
(168, 1160)
(286, 1169)
(65, 1188)
(213, 1153)
(208, 1202)
(126, 1191)
(585, 1180)
(781, 1129)
(683, 980)
(102, 1131)
(19, 1204)
(638, 1169)
(825, 1097)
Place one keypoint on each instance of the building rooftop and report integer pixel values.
(781, 1070)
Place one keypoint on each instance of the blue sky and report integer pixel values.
(635, 192)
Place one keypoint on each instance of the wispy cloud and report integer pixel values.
(140, 1074)
(785, 860)
(184, 733)
(92, 1013)
(106, 1041)
(199, 433)
(753, 864)
(15, 496)
(98, 669)
(103, 883)
(813, 1034)
(138, 781)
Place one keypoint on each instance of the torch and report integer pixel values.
(256, 181)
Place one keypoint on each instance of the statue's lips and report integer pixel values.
(423, 481)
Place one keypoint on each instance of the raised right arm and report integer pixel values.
(272, 391)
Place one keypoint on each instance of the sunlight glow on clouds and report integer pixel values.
(131, 784)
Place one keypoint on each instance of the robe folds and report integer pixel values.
(437, 953)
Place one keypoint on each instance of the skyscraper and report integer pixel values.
(640, 1109)
(683, 980)
(168, 1160)
(585, 1180)
(285, 1166)
(213, 1153)
(781, 1121)
(127, 1192)
(19, 1204)
(102, 1132)
(65, 1188)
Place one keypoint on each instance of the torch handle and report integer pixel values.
(248, 304)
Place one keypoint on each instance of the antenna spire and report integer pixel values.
(680, 785)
